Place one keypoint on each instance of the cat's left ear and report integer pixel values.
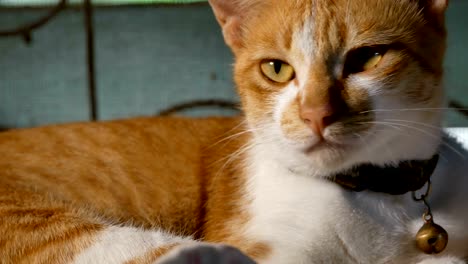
(231, 14)
(435, 9)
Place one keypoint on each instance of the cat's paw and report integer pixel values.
(443, 260)
(205, 254)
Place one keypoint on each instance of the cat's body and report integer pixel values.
(325, 86)
(89, 177)
(271, 214)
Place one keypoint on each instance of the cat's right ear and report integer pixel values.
(230, 15)
(435, 9)
(435, 6)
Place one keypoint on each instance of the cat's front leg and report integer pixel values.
(204, 253)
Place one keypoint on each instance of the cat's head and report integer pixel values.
(326, 84)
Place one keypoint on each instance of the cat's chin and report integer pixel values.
(324, 145)
(328, 151)
(322, 157)
(327, 158)
(319, 159)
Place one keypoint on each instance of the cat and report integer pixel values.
(327, 86)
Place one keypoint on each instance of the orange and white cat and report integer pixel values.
(326, 85)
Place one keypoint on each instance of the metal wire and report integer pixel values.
(25, 30)
(199, 103)
(89, 25)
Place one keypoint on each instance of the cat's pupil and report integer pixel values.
(277, 65)
(357, 59)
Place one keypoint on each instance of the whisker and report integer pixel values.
(435, 109)
(248, 145)
(388, 150)
(233, 136)
(380, 123)
(361, 138)
(234, 153)
(233, 156)
(425, 125)
(228, 159)
(393, 125)
(433, 136)
(228, 132)
(416, 123)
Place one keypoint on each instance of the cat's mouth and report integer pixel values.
(324, 144)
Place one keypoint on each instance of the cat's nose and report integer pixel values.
(318, 118)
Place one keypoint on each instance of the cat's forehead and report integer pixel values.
(313, 25)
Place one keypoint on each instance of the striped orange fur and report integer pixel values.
(60, 185)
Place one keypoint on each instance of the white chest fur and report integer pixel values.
(309, 220)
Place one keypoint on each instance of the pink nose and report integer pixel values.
(318, 118)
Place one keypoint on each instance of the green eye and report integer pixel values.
(277, 71)
(364, 59)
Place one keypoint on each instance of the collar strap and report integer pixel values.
(408, 176)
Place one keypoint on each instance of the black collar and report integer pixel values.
(408, 176)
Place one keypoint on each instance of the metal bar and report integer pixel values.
(26, 30)
(89, 26)
(200, 103)
(459, 107)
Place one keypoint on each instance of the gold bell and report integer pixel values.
(431, 238)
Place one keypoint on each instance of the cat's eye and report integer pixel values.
(277, 71)
(364, 59)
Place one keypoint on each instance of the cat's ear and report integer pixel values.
(435, 6)
(230, 15)
(435, 9)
